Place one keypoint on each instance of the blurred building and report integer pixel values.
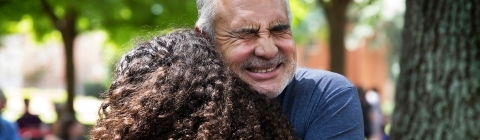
(23, 63)
(11, 57)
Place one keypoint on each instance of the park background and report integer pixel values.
(64, 52)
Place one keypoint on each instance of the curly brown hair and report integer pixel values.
(176, 86)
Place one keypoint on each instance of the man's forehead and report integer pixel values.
(252, 3)
(254, 11)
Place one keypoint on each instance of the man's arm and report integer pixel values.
(339, 117)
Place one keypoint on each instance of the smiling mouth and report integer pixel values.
(263, 70)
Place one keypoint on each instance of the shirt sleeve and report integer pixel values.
(339, 117)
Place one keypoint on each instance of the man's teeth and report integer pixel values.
(263, 70)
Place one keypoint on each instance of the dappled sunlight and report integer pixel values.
(87, 109)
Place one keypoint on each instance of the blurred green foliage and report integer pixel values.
(124, 20)
(94, 89)
(121, 19)
(382, 22)
(308, 21)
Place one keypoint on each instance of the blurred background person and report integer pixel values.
(366, 109)
(8, 130)
(30, 124)
(375, 114)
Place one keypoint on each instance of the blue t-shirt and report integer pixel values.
(322, 105)
(8, 130)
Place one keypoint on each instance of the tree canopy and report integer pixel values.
(121, 19)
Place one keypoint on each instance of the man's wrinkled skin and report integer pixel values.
(255, 38)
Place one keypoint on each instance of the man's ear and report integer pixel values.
(198, 30)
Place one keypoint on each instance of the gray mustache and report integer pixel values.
(254, 61)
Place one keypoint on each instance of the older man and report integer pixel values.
(256, 41)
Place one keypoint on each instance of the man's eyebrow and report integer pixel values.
(246, 30)
(279, 27)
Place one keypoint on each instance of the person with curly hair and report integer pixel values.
(177, 86)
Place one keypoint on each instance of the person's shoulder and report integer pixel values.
(2, 121)
(6, 122)
(322, 77)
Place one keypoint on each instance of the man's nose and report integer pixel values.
(265, 48)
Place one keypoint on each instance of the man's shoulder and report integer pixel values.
(317, 84)
(321, 78)
(319, 102)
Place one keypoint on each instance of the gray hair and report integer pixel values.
(207, 12)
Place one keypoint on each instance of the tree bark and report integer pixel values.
(438, 90)
(335, 11)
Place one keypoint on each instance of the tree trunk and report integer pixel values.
(67, 28)
(335, 11)
(438, 90)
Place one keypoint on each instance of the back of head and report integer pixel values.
(176, 86)
(26, 103)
